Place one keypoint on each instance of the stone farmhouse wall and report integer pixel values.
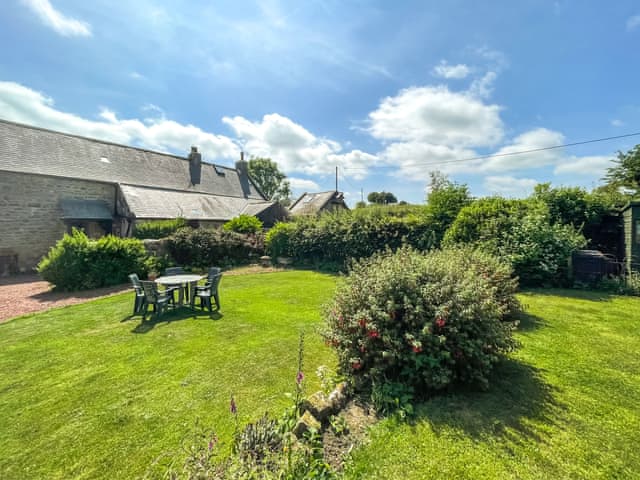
(30, 219)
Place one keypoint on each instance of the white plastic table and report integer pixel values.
(184, 280)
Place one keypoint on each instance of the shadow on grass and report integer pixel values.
(528, 322)
(517, 402)
(153, 321)
(575, 293)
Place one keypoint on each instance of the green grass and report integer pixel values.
(84, 394)
(567, 405)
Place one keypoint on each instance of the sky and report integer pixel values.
(385, 91)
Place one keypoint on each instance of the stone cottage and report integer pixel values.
(52, 181)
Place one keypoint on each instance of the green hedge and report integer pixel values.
(79, 263)
(206, 247)
(335, 238)
(244, 224)
(155, 229)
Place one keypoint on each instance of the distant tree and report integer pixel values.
(626, 171)
(361, 204)
(444, 202)
(271, 181)
(382, 198)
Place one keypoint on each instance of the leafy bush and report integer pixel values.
(421, 321)
(622, 285)
(520, 232)
(243, 224)
(538, 251)
(78, 263)
(205, 247)
(341, 236)
(158, 228)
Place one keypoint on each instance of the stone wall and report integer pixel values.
(30, 219)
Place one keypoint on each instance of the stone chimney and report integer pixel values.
(195, 165)
(242, 166)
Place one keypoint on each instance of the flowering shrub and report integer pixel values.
(423, 321)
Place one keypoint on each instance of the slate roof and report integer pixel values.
(312, 203)
(154, 203)
(28, 149)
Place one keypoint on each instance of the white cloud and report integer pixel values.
(531, 140)
(438, 116)
(483, 87)
(509, 186)
(303, 184)
(137, 76)
(633, 22)
(416, 159)
(294, 148)
(21, 104)
(584, 166)
(617, 123)
(444, 70)
(64, 25)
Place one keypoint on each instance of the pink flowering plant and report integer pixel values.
(422, 321)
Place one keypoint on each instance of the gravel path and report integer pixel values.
(22, 294)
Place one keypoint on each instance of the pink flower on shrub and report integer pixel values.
(416, 348)
(356, 365)
(373, 334)
(362, 349)
(440, 322)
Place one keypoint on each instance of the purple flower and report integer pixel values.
(232, 406)
(299, 378)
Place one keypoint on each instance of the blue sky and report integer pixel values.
(386, 91)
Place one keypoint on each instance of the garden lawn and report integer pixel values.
(86, 392)
(567, 405)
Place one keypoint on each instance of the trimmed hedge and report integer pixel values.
(79, 263)
(156, 229)
(205, 247)
(335, 238)
(244, 224)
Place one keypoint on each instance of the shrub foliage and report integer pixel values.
(155, 229)
(79, 263)
(205, 247)
(342, 236)
(243, 224)
(422, 321)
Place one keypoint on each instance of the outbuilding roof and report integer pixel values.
(155, 203)
(312, 203)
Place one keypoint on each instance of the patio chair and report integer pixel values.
(138, 301)
(205, 293)
(213, 271)
(152, 296)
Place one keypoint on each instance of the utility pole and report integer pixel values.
(336, 178)
(362, 195)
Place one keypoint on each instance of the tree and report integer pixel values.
(361, 204)
(444, 201)
(271, 181)
(626, 171)
(382, 198)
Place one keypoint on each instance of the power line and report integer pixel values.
(496, 155)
